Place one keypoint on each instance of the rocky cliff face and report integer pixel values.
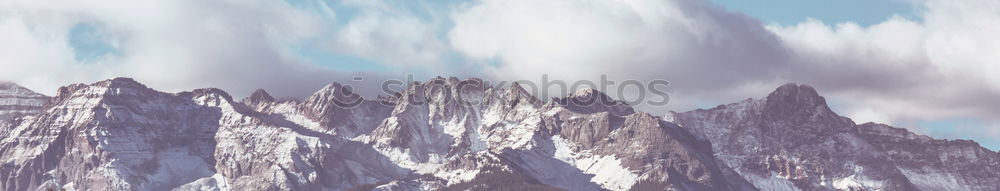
(16, 101)
(791, 140)
(453, 134)
(119, 135)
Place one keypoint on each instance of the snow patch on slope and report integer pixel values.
(772, 182)
(933, 181)
(213, 183)
(399, 186)
(176, 167)
(404, 158)
(607, 170)
(457, 175)
(855, 182)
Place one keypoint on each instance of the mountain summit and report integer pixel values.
(791, 140)
(797, 102)
(259, 96)
(118, 134)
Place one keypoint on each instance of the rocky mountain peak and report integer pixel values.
(209, 92)
(329, 88)
(791, 135)
(517, 93)
(332, 100)
(115, 87)
(795, 101)
(259, 96)
(414, 94)
(135, 138)
(65, 92)
(120, 82)
(586, 92)
(332, 92)
(796, 94)
(592, 101)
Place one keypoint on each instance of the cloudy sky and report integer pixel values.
(932, 66)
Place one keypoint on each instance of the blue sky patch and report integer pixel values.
(89, 42)
(790, 12)
(342, 62)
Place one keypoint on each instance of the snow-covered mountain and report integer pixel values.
(791, 140)
(121, 135)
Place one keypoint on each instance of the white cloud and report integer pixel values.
(35, 53)
(170, 45)
(943, 66)
(392, 36)
(865, 115)
(696, 45)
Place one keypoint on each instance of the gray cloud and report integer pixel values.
(943, 66)
(171, 45)
(699, 47)
(938, 68)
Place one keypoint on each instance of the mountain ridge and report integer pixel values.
(120, 134)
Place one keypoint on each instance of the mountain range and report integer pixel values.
(119, 134)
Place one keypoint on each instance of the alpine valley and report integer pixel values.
(118, 134)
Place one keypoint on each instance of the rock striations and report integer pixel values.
(16, 101)
(454, 134)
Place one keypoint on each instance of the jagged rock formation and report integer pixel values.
(259, 97)
(791, 140)
(120, 135)
(453, 134)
